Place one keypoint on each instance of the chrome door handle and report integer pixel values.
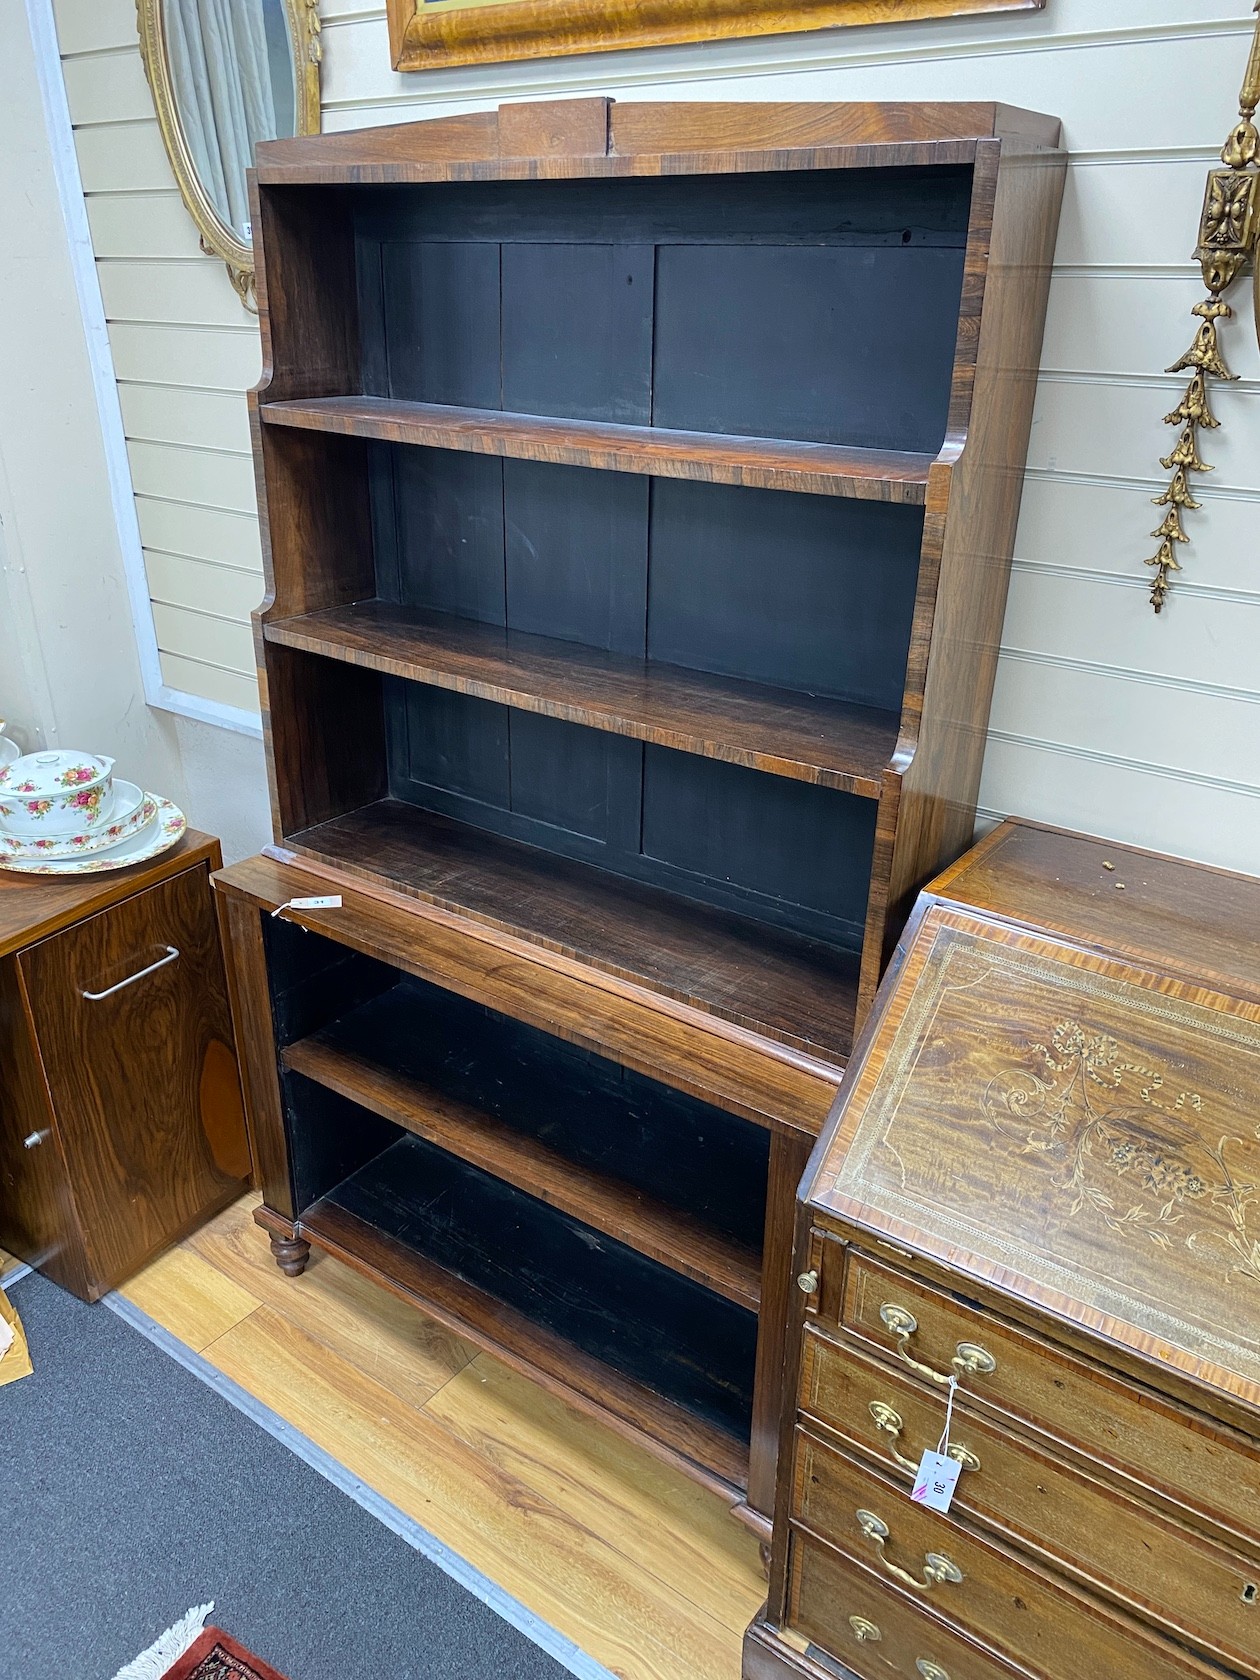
(171, 956)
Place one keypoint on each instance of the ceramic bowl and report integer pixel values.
(128, 810)
(55, 793)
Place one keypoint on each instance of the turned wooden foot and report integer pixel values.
(291, 1254)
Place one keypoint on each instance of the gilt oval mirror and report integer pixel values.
(224, 75)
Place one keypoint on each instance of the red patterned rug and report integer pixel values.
(217, 1656)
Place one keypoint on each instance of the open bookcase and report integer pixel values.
(638, 488)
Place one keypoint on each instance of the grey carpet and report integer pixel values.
(130, 1491)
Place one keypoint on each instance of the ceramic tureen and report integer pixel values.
(54, 792)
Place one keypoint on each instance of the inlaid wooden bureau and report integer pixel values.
(1042, 1178)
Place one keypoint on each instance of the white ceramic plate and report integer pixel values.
(158, 836)
(130, 811)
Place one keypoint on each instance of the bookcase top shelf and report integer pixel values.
(828, 742)
(762, 463)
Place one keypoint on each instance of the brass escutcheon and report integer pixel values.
(866, 1631)
(931, 1670)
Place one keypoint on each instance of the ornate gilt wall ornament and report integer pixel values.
(1229, 232)
(225, 74)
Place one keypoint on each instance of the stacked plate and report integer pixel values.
(65, 813)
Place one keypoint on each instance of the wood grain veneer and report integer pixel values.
(819, 469)
(1037, 1180)
(780, 731)
(696, 876)
(121, 1124)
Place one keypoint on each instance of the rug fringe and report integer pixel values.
(169, 1648)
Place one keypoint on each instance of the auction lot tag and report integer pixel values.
(936, 1480)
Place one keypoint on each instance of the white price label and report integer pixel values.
(936, 1480)
(331, 902)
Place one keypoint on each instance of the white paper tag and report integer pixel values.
(935, 1481)
(332, 902)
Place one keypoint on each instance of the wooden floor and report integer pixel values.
(639, 1567)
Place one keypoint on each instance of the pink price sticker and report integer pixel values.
(935, 1481)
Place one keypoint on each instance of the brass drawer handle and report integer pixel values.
(971, 1360)
(937, 1568)
(172, 955)
(888, 1422)
(865, 1631)
(931, 1670)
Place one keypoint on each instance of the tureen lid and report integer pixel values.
(44, 774)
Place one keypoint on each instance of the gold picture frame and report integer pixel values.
(218, 239)
(436, 34)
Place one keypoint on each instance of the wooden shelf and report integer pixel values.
(777, 984)
(828, 742)
(618, 1210)
(630, 1407)
(821, 469)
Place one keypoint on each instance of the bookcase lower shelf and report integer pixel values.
(437, 1103)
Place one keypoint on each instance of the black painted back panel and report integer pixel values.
(642, 1319)
(820, 305)
(676, 1149)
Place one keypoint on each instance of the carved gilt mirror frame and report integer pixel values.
(218, 237)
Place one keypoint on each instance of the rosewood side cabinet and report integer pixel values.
(638, 485)
(1040, 1193)
(121, 1121)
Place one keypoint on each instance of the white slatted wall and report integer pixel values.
(1105, 717)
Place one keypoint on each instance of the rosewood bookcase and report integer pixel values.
(638, 487)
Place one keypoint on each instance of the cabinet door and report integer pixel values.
(131, 1015)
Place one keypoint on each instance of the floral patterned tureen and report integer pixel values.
(54, 792)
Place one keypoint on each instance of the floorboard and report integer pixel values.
(643, 1570)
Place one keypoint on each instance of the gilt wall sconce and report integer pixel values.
(1229, 235)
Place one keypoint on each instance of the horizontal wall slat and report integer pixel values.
(196, 635)
(214, 358)
(110, 87)
(196, 293)
(1069, 617)
(202, 586)
(1190, 732)
(148, 224)
(210, 682)
(94, 25)
(1104, 527)
(171, 414)
(1096, 425)
(197, 533)
(192, 475)
(1123, 324)
(128, 158)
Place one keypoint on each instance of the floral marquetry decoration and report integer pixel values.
(1228, 234)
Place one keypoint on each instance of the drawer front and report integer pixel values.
(1010, 1606)
(1177, 1457)
(1175, 1577)
(874, 1631)
(137, 1047)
